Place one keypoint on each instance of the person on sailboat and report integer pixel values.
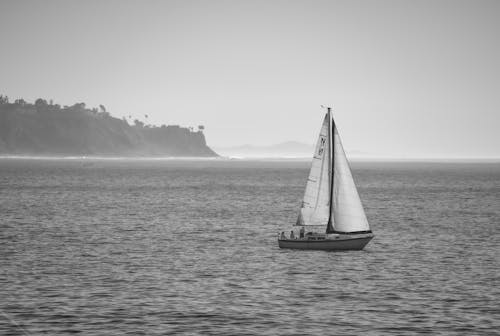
(301, 232)
(292, 235)
(283, 235)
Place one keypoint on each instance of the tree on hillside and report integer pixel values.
(20, 102)
(79, 106)
(40, 102)
(4, 99)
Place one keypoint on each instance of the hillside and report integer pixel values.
(44, 128)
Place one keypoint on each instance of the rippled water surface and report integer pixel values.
(159, 247)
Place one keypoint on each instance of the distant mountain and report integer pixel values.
(290, 149)
(48, 129)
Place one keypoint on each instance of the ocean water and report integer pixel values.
(166, 247)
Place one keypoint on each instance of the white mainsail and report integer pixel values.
(347, 214)
(315, 208)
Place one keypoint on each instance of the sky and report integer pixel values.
(406, 79)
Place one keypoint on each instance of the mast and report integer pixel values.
(331, 125)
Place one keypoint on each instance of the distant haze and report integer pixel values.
(290, 149)
(406, 78)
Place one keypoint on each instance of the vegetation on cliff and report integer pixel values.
(44, 128)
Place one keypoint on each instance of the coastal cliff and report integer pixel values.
(45, 128)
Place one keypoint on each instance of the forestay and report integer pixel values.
(315, 208)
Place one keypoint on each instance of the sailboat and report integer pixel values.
(331, 216)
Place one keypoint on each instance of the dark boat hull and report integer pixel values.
(340, 243)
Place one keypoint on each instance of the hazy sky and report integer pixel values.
(406, 78)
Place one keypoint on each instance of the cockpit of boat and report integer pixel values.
(315, 236)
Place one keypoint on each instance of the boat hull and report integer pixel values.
(341, 243)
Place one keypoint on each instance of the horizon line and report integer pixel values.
(249, 158)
